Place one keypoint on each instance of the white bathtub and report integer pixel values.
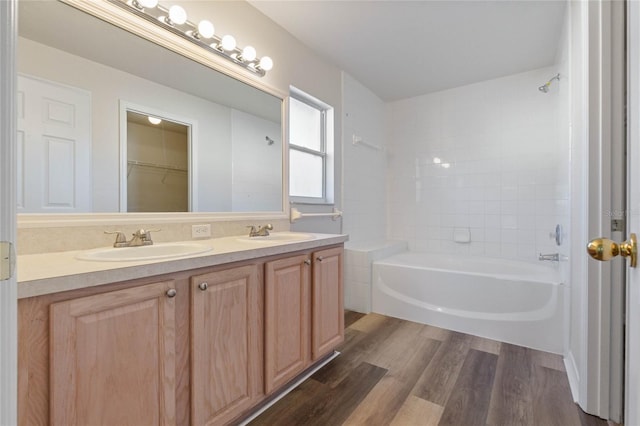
(509, 301)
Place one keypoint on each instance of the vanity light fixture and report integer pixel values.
(174, 19)
(205, 30)
(248, 54)
(140, 4)
(177, 16)
(228, 43)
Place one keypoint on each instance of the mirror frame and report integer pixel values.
(111, 13)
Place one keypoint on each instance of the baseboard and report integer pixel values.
(573, 376)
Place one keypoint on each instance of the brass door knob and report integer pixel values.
(604, 249)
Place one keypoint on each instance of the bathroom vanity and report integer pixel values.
(195, 340)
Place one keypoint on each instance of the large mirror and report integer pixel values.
(87, 93)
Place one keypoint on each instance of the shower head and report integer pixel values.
(269, 140)
(545, 87)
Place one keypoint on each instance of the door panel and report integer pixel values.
(113, 358)
(287, 319)
(226, 344)
(328, 311)
(54, 163)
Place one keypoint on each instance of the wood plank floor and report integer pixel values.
(400, 373)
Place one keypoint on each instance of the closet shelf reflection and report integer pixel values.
(165, 167)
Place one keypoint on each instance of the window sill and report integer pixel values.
(312, 203)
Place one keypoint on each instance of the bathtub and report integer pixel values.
(510, 301)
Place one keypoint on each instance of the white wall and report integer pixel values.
(501, 139)
(364, 187)
(256, 165)
(364, 190)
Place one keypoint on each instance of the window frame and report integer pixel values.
(324, 152)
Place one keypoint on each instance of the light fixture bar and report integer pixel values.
(159, 15)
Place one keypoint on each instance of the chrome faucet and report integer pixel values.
(262, 231)
(140, 238)
(554, 257)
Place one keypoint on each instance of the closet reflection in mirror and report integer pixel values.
(157, 164)
(232, 166)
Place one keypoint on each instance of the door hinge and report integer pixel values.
(617, 225)
(7, 260)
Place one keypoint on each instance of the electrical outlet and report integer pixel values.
(200, 231)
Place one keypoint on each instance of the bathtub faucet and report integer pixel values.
(555, 257)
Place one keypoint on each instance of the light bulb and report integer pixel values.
(154, 120)
(445, 165)
(248, 54)
(148, 4)
(266, 63)
(206, 29)
(228, 43)
(436, 160)
(177, 15)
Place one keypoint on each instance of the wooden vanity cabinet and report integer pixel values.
(226, 344)
(135, 352)
(327, 312)
(287, 319)
(304, 313)
(112, 357)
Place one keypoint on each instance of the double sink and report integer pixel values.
(182, 249)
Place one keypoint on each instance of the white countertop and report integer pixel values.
(46, 273)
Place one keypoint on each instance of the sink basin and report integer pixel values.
(153, 252)
(279, 237)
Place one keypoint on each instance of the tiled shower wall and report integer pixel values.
(487, 157)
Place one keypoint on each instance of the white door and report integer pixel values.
(632, 399)
(54, 147)
(8, 287)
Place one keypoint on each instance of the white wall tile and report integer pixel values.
(502, 139)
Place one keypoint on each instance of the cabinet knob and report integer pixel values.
(203, 286)
(307, 262)
(171, 292)
(319, 258)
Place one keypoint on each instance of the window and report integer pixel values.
(310, 146)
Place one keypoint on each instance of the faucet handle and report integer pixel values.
(140, 232)
(252, 230)
(121, 239)
(264, 230)
(145, 235)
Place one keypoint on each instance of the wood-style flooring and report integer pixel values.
(400, 373)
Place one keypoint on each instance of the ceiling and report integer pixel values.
(400, 49)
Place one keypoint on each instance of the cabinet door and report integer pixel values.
(226, 344)
(113, 358)
(327, 301)
(287, 320)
